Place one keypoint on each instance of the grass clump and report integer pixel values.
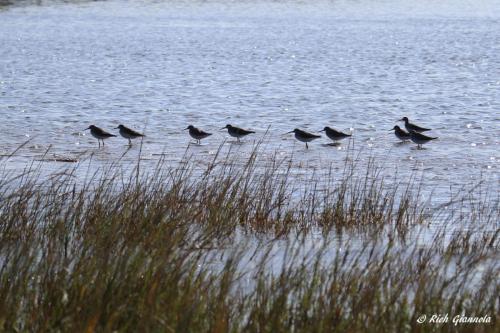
(235, 248)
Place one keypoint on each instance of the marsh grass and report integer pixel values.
(237, 247)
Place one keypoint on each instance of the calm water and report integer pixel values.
(355, 66)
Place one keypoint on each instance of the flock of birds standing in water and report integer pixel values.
(413, 133)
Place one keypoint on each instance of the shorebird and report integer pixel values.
(128, 133)
(197, 133)
(401, 134)
(412, 127)
(99, 134)
(420, 139)
(334, 134)
(237, 132)
(304, 136)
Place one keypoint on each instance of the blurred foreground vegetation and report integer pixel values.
(238, 248)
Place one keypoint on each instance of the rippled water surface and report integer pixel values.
(158, 67)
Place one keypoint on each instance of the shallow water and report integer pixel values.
(355, 66)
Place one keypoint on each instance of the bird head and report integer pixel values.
(405, 119)
(189, 127)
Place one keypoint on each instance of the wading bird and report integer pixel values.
(99, 134)
(129, 134)
(197, 133)
(237, 132)
(304, 136)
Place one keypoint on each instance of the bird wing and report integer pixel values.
(418, 128)
(242, 131)
(201, 132)
(309, 135)
(132, 132)
(338, 133)
(422, 136)
(102, 132)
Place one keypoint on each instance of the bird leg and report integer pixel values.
(307, 147)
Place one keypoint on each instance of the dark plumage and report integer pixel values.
(237, 132)
(128, 133)
(420, 139)
(412, 127)
(304, 136)
(334, 134)
(401, 134)
(197, 133)
(99, 134)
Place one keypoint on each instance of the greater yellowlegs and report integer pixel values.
(420, 139)
(401, 134)
(304, 136)
(99, 134)
(334, 135)
(197, 133)
(237, 132)
(412, 127)
(128, 133)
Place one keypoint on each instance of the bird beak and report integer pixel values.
(289, 132)
(117, 127)
(186, 128)
(87, 128)
(222, 128)
(392, 129)
(321, 130)
(401, 119)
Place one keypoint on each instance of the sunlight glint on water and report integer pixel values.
(352, 66)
